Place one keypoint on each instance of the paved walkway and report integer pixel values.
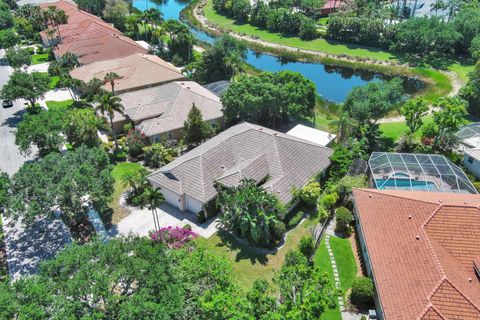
(140, 221)
(97, 224)
(41, 67)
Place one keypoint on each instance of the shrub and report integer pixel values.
(135, 142)
(328, 200)
(323, 214)
(309, 193)
(187, 227)
(344, 217)
(201, 217)
(174, 238)
(362, 291)
(278, 229)
(347, 183)
(294, 220)
(476, 184)
(306, 246)
(157, 155)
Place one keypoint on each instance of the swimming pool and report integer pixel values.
(405, 184)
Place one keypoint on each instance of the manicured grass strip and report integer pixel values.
(119, 170)
(53, 82)
(249, 265)
(39, 58)
(347, 267)
(58, 105)
(322, 262)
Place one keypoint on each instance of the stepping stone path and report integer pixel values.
(335, 270)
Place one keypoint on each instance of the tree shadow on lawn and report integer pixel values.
(243, 250)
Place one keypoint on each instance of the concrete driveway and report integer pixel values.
(10, 158)
(140, 221)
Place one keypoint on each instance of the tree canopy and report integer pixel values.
(269, 98)
(24, 85)
(18, 58)
(61, 182)
(195, 129)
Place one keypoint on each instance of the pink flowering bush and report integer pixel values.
(173, 237)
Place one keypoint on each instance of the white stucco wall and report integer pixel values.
(472, 164)
(193, 205)
(171, 197)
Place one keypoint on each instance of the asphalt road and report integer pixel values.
(10, 158)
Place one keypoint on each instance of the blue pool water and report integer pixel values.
(405, 184)
(333, 83)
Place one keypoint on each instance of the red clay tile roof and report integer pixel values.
(421, 247)
(75, 15)
(87, 29)
(101, 48)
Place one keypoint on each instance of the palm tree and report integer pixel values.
(438, 4)
(132, 24)
(111, 77)
(93, 89)
(108, 104)
(153, 199)
(233, 63)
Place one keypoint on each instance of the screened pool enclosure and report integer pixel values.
(469, 135)
(422, 172)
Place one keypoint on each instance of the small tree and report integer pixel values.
(110, 78)
(108, 105)
(136, 141)
(157, 155)
(362, 291)
(18, 58)
(28, 86)
(413, 111)
(306, 246)
(309, 194)
(344, 218)
(449, 118)
(195, 129)
(4, 189)
(153, 199)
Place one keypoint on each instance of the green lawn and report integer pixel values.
(321, 45)
(322, 262)
(347, 267)
(119, 170)
(53, 82)
(58, 105)
(40, 58)
(248, 265)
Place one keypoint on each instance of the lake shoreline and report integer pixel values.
(438, 82)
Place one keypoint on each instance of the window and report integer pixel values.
(470, 160)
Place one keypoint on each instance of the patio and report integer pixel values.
(140, 221)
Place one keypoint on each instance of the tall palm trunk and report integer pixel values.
(113, 131)
(414, 8)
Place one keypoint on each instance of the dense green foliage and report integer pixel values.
(276, 18)
(252, 212)
(269, 99)
(221, 61)
(344, 218)
(49, 130)
(309, 193)
(28, 86)
(307, 246)
(4, 187)
(180, 43)
(413, 111)
(63, 183)
(447, 120)
(6, 18)
(18, 58)
(93, 6)
(116, 12)
(157, 155)
(195, 130)
(362, 291)
(135, 142)
(470, 92)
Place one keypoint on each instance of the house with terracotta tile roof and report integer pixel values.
(160, 112)
(74, 14)
(106, 47)
(68, 33)
(422, 251)
(136, 71)
(277, 161)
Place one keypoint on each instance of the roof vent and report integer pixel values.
(275, 133)
(409, 217)
(260, 129)
(417, 237)
(440, 201)
(222, 166)
(369, 195)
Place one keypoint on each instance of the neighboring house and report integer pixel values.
(74, 14)
(106, 47)
(469, 136)
(422, 250)
(471, 160)
(331, 6)
(39, 2)
(419, 172)
(277, 161)
(88, 29)
(320, 137)
(160, 112)
(136, 71)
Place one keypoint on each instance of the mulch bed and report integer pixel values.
(82, 231)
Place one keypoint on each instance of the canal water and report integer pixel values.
(333, 83)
